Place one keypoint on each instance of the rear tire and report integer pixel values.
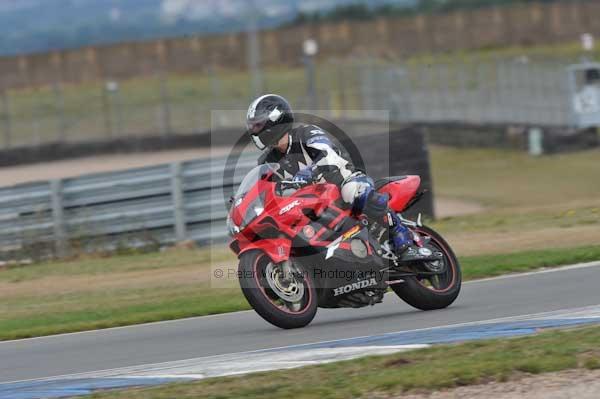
(266, 303)
(417, 293)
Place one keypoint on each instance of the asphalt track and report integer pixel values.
(508, 296)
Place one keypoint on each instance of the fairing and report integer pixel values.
(275, 224)
(401, 192)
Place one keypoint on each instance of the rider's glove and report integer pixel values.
(303, 176)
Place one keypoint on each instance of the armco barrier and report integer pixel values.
(162, 204)
(158, 204)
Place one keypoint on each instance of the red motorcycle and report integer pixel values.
(299, 248)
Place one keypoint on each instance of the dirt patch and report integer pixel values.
(398, 362)
(446, 207)
(580, 383)
(480, 243)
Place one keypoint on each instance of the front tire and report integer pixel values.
(433, 292)
(286, 306)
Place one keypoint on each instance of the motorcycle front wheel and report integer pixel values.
(428, 291)
(284, 301)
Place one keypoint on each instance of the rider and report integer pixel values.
(306, 154)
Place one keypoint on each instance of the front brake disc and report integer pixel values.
(290, 290)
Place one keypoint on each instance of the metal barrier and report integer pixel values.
(163, 204)
(159, 204)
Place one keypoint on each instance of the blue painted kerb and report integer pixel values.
(73, 387)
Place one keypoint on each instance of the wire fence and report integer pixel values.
(514, 91)
(498, 93)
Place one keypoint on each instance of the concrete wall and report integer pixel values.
(464, 135)
(403, 145)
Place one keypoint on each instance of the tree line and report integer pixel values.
(361, 11)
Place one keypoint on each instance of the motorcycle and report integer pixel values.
(299, 249)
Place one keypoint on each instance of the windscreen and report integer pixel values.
(254, 176)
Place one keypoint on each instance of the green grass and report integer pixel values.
(541, 202)
(94, 293)
(91, 293)
(505, 178)
(443, 366)
(566, 52)
(89, 112)
(513, 219)
(495, 265)
(25, 317)
(99, 265)
(136, 109)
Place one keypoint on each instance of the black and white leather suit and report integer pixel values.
(311, 147)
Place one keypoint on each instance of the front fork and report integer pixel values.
(286, 266)
(286, 269)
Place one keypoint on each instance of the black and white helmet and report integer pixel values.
(269, 118)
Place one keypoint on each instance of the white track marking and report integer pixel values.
(582, 312)
(563, 313)
(535, 272)
(234, 363)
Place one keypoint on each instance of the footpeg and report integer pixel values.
(414, 253)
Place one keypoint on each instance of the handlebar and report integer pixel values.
(293, 184)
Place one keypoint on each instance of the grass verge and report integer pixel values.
(495, 265)
(442, 366)
(97, 293)
(500, 178)
(555, 207)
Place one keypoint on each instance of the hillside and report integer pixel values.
(28, 26)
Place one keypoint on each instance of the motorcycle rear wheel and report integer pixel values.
(428, 292)
(265, 291)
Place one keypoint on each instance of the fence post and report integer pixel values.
(118, 104)
(35, 118)
(106, 110)
(341, 88)
(178, 206)
(6, 119)
(216, 89)
(60, 236)
(60, 103)
(535, 143)
(165, 105)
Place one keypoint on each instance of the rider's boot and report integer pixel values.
(399, 233)
(375, 206)
(403, 241)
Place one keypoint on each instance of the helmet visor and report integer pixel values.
(256, 124)
(269, 136)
